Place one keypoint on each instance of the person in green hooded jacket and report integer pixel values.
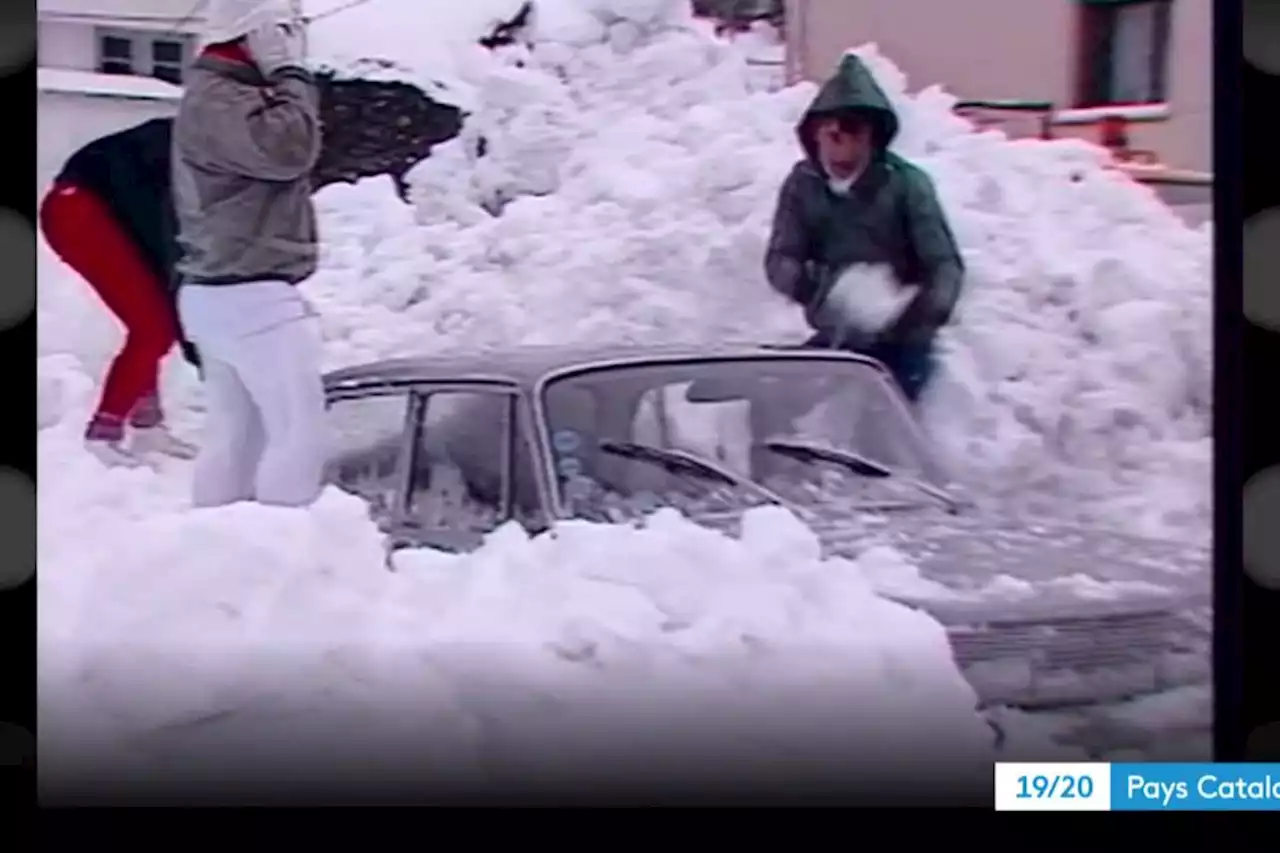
(850, 201)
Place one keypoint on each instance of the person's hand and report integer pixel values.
(190, 354)
(276, 46)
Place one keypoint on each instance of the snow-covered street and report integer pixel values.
(635, 161)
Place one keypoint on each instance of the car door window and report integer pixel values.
(471, 469)
(366, 439)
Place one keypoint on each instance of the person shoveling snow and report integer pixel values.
(108, 217)
(117, 188)
(246, 138)
(859, 238)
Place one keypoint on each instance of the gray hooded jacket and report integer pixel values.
(243, 148)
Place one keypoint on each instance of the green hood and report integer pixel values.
(851, 88)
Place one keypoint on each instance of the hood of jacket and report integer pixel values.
(851, 89)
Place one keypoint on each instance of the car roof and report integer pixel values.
(524, 366)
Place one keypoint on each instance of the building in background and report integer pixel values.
(1148, 62)
(147, 38)
(104, 65)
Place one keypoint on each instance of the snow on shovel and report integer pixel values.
(376, 124)
(377, 127)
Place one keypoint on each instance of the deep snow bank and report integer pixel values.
(635, 166)
(182, 631)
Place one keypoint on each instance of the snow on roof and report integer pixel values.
(105, 85)
(116, 8)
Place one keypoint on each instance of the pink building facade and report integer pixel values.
(1148, 61)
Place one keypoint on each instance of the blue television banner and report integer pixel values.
(1156, 786)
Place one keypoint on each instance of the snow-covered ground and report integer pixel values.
(635, 162)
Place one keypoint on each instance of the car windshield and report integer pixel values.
(714, 434)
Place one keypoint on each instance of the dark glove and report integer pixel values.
(190, 353)
(811, 283)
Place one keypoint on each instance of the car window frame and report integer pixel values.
(930, 456)
(418, 394)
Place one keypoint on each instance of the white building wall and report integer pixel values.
(69, 120)
(64, 44)
(68, 41)
(1016, 49)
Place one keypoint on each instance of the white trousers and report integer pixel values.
(264, 428)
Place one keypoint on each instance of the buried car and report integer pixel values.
(446, 448)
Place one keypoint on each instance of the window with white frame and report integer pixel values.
(144, 54)
(1125, 52)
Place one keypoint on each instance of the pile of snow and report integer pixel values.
(527, 650)
(891, 573)
(635, 167)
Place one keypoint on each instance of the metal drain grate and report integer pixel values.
(1069, 643)
(1082, 659)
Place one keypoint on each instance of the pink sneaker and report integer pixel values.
(111, 453)
(104, 438)
(158, 439)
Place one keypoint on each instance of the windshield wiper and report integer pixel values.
(806, 451)
(683, 462)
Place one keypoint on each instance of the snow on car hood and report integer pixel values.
(1006, 567)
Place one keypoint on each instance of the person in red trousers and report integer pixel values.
(109, 216)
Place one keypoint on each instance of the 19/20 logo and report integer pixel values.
(1054, 787)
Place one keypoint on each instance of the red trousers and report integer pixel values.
(81, 229)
